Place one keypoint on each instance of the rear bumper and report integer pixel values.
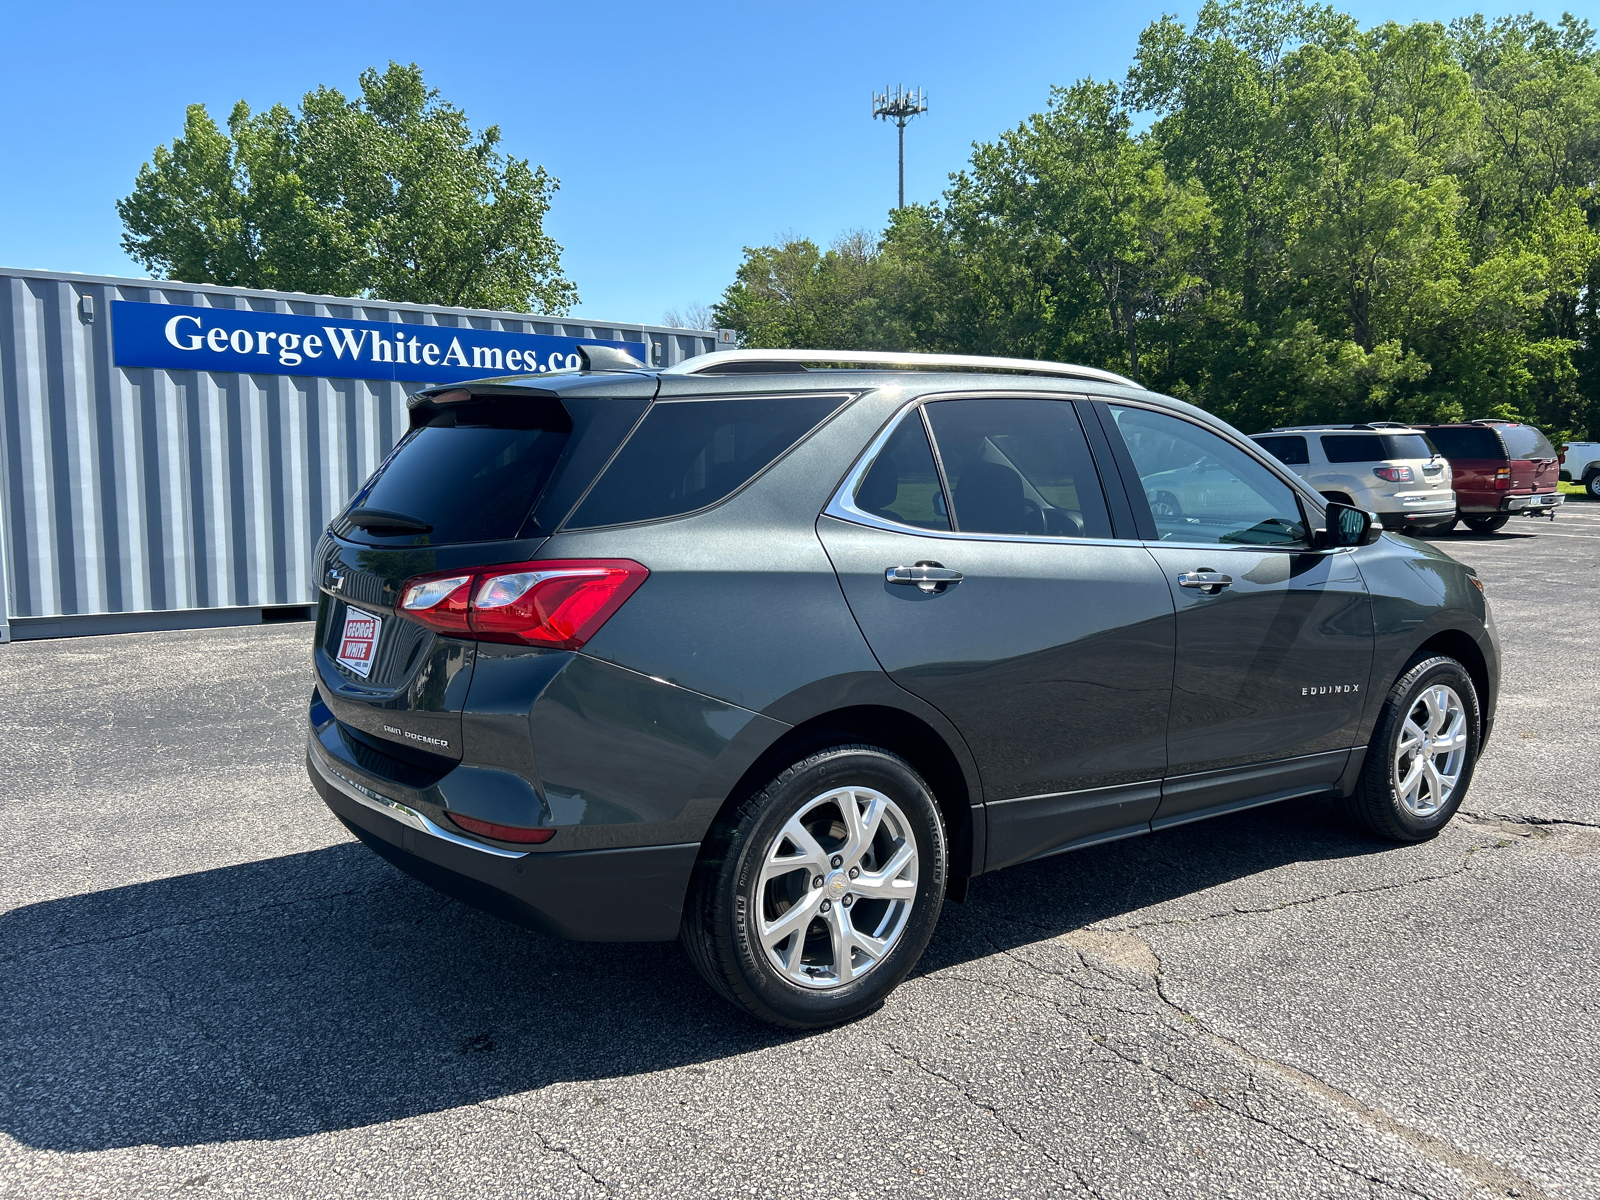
(1540, 501)
(1422, 518)
(628, 895)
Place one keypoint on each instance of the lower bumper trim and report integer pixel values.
(407, 815)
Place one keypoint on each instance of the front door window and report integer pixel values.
(1203, 489)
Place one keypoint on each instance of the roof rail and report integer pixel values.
(746, 362)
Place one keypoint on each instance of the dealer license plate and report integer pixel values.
(359, 641)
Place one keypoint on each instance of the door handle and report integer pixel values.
(930, 577)
(1208, 581)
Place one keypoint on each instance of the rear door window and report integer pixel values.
(1286, 448)
(1472, 442)
(688, 454)
(902, 485)
(1019, 468)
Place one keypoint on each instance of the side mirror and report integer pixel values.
(1348, 526)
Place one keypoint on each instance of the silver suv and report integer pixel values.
(1383, 467)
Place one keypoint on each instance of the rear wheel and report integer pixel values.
(1487, 524)
(1591, 484)
(819, 893)
(1422, 754)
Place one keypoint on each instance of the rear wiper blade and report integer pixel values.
(380, 518)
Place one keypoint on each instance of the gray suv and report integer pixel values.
(774, 651)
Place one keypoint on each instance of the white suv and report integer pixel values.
(1384, 467)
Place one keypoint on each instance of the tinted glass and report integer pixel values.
(1202, 488)
(903, 484)
(1472, 441)
(1524, 441)
(688, 454)
(1353, 447)
(1405, 445)
(1019, 468)
(1286, 448)
(473, 472)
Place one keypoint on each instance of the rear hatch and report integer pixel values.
(1404, 465)
(1495, 461)
(1535, 465)
(478, 479)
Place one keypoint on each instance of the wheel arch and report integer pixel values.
(1463, 647)
(898, 731)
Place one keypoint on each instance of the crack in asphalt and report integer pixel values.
(547, 1145)
(999, 1117)
(201, 920)
(1482, 1171)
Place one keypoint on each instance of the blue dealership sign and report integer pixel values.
(180, 338)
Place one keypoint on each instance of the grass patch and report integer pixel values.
(1575, 490)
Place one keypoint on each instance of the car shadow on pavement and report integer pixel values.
(327, 991)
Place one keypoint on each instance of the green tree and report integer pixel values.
(797, 295)
(389, 195)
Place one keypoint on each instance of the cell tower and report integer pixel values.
(899, 106)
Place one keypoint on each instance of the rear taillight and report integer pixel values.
(1393, 474)
(559, 603)
(502, 833)
(1502, 478)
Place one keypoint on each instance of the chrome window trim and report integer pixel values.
(842, 506)
(407, 815)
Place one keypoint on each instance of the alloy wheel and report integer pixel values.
(837, 885)
(1431, 751)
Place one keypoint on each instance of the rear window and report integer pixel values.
(1286, 448)
(473, 473)
(1466, 442)
(1373, 447)
(1524, 441)
(687, 454)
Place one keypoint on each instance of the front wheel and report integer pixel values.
(1422, 753)
(1487, 524)
(819, 893)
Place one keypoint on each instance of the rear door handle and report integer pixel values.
(930, 577)
(1209, 582)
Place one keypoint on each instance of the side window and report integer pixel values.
(1289, 448)
(1202, 488)
(1019, 467)
(902, 485)
(688, 454)
(1352, 447)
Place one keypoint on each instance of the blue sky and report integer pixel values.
(681, 133)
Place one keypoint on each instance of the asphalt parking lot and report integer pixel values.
(206, 987)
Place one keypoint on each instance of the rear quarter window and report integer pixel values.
(1286, 448)
(688, 454)
(1353, 447)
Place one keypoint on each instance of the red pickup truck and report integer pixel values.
(1500, 468)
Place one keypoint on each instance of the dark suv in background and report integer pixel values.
(775, 650)
(1501, 469)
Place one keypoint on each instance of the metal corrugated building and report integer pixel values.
(143, 498)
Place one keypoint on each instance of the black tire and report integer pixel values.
(719, 920)
(1487, 524)
(1376, 804)
(1591, 484)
